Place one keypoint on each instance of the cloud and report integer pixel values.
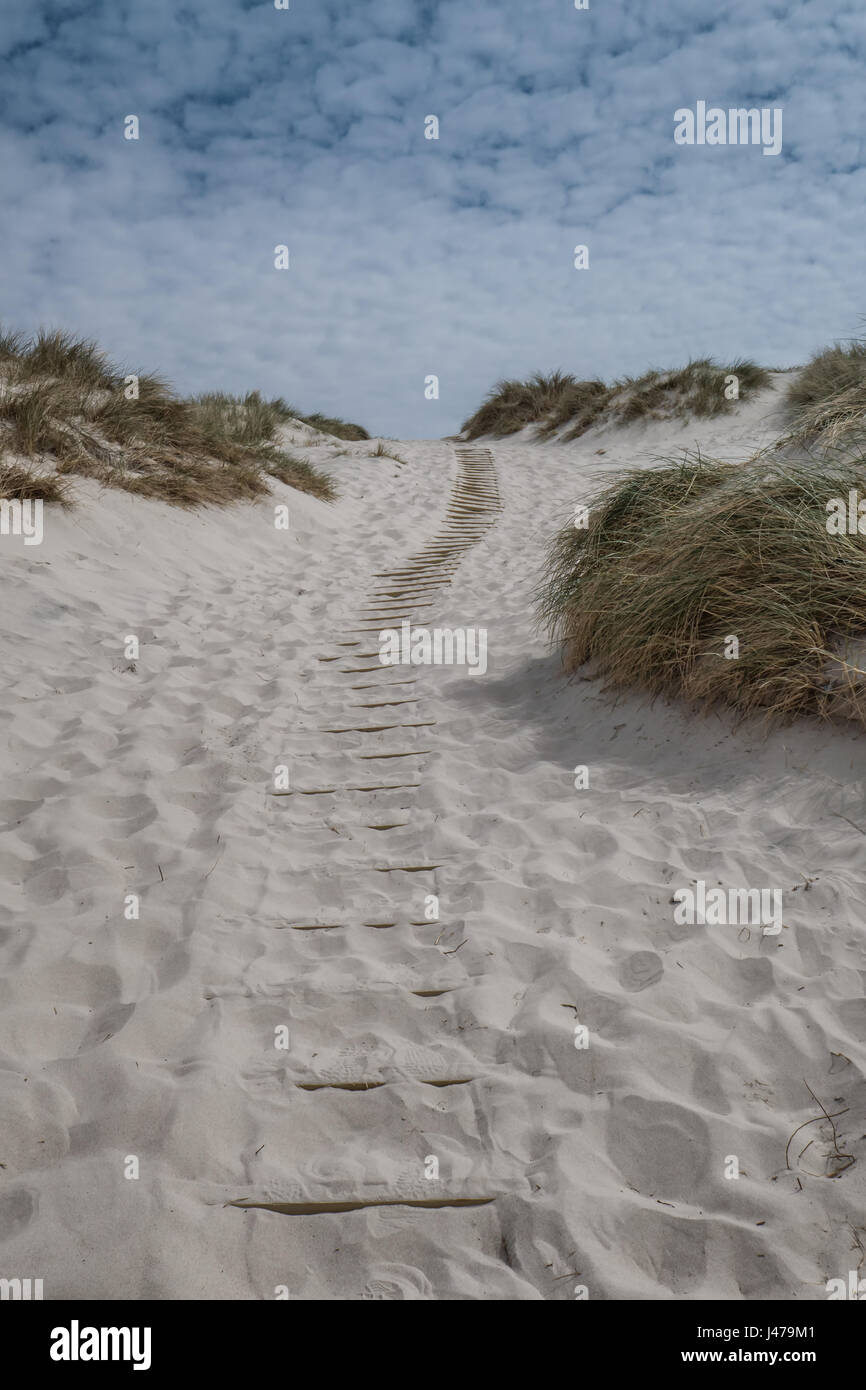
(413, 256)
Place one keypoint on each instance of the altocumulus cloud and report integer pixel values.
(413, 256)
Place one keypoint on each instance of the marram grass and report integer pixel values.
(558, 401)
(18, 484)
(678, 560)
(826, 401)
(64, 407)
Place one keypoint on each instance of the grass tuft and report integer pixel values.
(341, 429)
(826, 401)
(380, 452)
(62, 402)
(20, 484)
(677, 560)
(297, 473)
(512, 405)
(243, 420)
(559, 401)
(54, 353)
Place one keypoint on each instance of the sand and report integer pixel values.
(428, 1128)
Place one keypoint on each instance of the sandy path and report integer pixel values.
(408, 1039)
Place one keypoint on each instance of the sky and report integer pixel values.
(412, 257)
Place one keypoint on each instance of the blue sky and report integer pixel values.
(412, 257)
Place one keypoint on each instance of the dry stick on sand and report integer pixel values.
(837, 1152)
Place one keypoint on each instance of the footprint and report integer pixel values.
(659, 1147)
(108, 1022)
(397, 1282)
(17, 1210)
(34, 1118)
(640, 970)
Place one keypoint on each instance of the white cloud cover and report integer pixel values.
(409, 256)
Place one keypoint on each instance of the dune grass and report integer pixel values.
(64, 405)
(512, 405)
(579, 406)
(560, 402)
(244, 420)
(340, 429)
(677, 560)
(53, 353)
(380, 452)
(826, 401)
(22, 484)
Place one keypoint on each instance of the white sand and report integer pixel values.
(154, 1037)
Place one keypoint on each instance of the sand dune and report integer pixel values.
(305, 1170)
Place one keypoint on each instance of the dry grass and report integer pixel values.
(243, 420)
(297, 473)
(55, 354)
(696, 390)
(20, 484)
(826, 402)
(63, 403)
(380, 452)
(11, 347)
(581, 405)
(559, 402)
(30, 416)
(340, 429)
(512, 405)
(677, 560)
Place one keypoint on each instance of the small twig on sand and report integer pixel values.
(214, 864)
(850, 822)
(825, 1114)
